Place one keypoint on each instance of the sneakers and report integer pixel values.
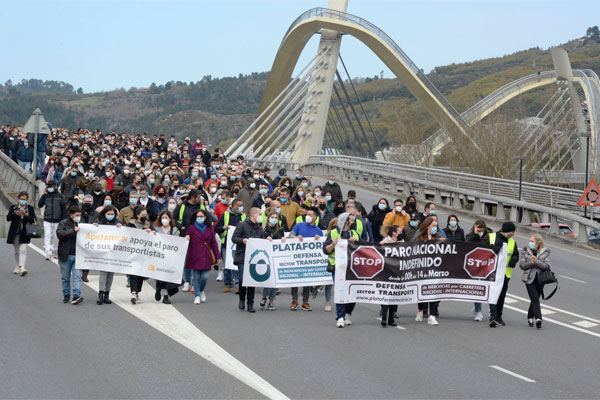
(431, 320)
(347, 320)
(241, 305)
(383, 324)
(271, 306)
(340, 323)
(251, 309)
(48, 257)
(327, 306)
(197, 300)
(538, 323)
(530, 321)
(166, 299)
(227, 289)
(419, 317)
(220, 276)
(77, 300)
(263, 302)
(500, 321)
(17, 270)
(22, 271)
(202, 297)
(306, 307)
(493, 323)
(133, 298)
(67, 298)
(478, 316)
(294, 306)
(186, 287)
(137, 297)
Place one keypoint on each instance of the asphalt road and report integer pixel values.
(212, 350)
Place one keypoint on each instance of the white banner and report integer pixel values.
(131, 251)
(230, 248)
(290, 264)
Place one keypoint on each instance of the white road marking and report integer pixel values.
(572, 279)
(509, 300)
(398, 326)
(585, 324)
(575, 328)
(557, 309)
(169, 321)
(521, 377)
(545, 311)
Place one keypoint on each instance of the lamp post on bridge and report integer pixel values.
(520, 159)
(587, 156)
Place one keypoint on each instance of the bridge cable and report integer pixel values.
(337, 93)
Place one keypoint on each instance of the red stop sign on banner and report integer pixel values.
(480, 263)
(366, 262)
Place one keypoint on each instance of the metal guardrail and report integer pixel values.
(543, 195)
(15, 177)
(385, 179)
(354, 19)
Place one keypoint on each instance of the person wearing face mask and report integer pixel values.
(25, 155)
(165, 224)
(248, 193)
(19, 215)
(478, 234)
(428, 230)
(108, 216)
(263, 191)
(397, 216)
(224, 183)
(67, 239)
(108, 182)
(126, 213)
(339, 208)
(334, 188)
(97, 194)
(273, 229)
(229, 220)
(534, 258)
(199, 258)
(55, 211)
(223, 203)
(325, 216)
(393, 234)
(282, 174)
(411, 205)
(289, 209)
(497, 240)
(453, 231)
(377, 216)
(160, 199)
(300, 195)
(147, 202)
(140, 221)
(70, 180)
(212, 178)
(429, 211)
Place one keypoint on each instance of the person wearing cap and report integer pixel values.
(308, 228)
(497, 240)
(410, 230)
(277, 180)
(55, 211)
(304, 207)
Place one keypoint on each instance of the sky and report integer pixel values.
(103, 45)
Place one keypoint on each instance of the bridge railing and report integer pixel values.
(543, 195)
(15, 177)
(460, 198)
(342, 16)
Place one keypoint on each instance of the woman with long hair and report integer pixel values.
(108, 216)
(534, 259)
(428, 231)
(165, 224)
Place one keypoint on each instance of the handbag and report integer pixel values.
(33, 231)
(547, 277)
(213, 259)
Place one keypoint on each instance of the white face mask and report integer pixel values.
(259, 219)
(171, 207)
(399, 208)
(76, 219)
(165, 221)
(252, 185)
(213, 190)
(308, 219)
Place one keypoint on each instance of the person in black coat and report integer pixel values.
(376, 216)
(55, 211)
(67, 240)
(250, 228)
(20, 215)
(478, 234)
(453, 230)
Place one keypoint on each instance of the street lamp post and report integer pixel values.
(587, 156)
(520, 159)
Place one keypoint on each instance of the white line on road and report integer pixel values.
(521, 377)
(557, 309)
(585, 324)
(169, 321)
(572, 279)
(575, 328)
(398, 326)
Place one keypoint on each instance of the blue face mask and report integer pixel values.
(133, 201)
(431, 212)
(195, 174)
(73, 173)
(273, 221)
(22, 202)
(304, 184)
(382, 207)
(453, 223)
(50, 190)
(328, 198)
(213, 177)
(278, 210)
(91, 174)
(200, 220)
(107, 202)
(263, 191)
(223, 201)
(434, 230)
(283, 200)
(110, 217)
(152, 181)
(240, 210)
(532, 245)
(414, 223)
(331, 182)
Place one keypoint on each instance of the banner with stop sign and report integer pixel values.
(422, 271)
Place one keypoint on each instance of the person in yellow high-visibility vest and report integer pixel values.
(497, 240)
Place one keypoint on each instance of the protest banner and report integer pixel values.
(422, 271)
(290, 264)
(131, 251)
(230, 249)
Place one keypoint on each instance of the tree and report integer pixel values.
(80, 91)
(593, 33)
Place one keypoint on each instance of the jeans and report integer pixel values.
(269, 292)
(328, 290)
(50, 239)
(187, 275)
(477, 307)
(231, 278)
(26, 165)
(20, 252)
(305, 294)
(534, 290)
(200, 279)
(496, 309)
(249, 291)
(342, 309)
(67, 268)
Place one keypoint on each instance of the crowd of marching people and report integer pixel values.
(156, 184)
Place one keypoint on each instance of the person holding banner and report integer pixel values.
(533, 260)
(250, 228)
(274, 230)
(108, 216)
(67, 238)
(165, 224)
(393, 235)
(228, 220)
(139, 220)
(497, 240)
(478, 234)
(344, 222)
(203, 252)
(428, 231)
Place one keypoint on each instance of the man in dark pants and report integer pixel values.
(251, 228)
(497, 240)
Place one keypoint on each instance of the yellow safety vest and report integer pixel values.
(336, 234)
(265, 219)
(226, 222)
(300, 219)
(359, 227)
(182, 210)
(510, 251)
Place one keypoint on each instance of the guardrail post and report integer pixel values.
(381, 184)
(514, 214)
(554, 224)
(421, 193)
(437, 197)
(477, 208)
(526, 218)
(456, 201)
(581, 231)
(545, 218)
(500, 214)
